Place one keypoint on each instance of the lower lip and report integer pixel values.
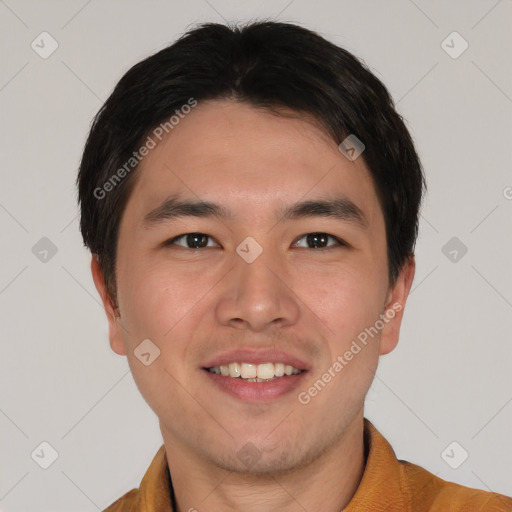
(257, 391)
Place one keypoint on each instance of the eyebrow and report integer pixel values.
(339, 208)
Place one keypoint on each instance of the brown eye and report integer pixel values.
(190, 241)
(319, 241)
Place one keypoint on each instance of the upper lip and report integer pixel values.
(256, 356)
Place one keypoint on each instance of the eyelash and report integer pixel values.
(339, 241)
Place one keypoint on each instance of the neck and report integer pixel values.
(327, 483)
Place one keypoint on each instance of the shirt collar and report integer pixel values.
(156, 487)
(382, 486)
(381, 483)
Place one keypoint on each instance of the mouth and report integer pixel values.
(248, 372)
(256, 376)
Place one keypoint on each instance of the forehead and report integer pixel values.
(230, 152)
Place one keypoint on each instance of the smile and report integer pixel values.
(255, 372)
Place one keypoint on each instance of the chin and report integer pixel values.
(265, 465)
(267, 458)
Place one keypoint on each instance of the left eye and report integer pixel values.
(319, 240)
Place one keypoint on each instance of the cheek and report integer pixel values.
(351, 305)
(155, 298)
(168, 306)
(157, 305)
(348, 300)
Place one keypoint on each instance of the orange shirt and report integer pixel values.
(388, 485)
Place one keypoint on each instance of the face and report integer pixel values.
(258, 275)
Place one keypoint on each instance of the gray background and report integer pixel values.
(449, 378)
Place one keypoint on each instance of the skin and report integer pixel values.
(307, 301)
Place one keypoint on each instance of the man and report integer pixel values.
(250, 197)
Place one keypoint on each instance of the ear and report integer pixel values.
(115, 332)
(395, 306)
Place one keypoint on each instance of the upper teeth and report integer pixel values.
(253, 371)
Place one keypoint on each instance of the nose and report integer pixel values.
(257, 296)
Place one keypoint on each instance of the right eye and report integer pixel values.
(190, 241)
